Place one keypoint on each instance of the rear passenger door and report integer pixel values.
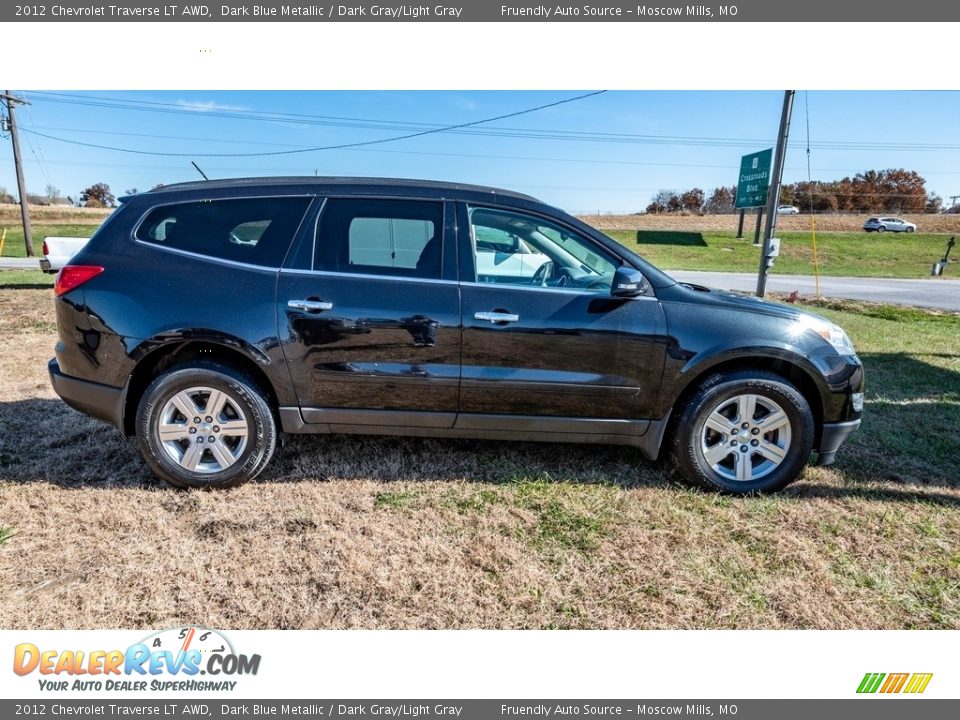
(369, 314)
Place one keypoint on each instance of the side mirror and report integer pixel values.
(628, 282)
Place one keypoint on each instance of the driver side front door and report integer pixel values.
(537, 349)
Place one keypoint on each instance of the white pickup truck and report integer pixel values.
(57, 251)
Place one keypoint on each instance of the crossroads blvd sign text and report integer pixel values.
(754, 182)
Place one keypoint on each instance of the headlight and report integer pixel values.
(833, 334)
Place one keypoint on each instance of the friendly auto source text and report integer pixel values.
(592, 11)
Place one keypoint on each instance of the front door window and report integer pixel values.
(516, 249)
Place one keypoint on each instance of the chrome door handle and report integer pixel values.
(496, 317)
(310, 305)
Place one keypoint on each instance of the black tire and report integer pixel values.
(691, 426)
(881, 229)
(909, 229)
(245, 405)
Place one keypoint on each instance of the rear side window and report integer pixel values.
(380, 237)
(255, 230)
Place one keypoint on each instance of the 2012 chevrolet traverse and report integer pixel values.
(206, 318)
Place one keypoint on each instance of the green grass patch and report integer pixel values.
(475, 501)
(395, 500)
(25, 279)
(13, 243)
(6, 532)
(569, 516)
(912, 413)
(839, 253)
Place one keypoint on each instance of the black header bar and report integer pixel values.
(861, 13)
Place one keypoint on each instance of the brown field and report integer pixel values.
(54, 214)
(347, 532)
(799, 223)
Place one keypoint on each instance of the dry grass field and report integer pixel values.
(348, 532)
(790, 223)
(53, 214)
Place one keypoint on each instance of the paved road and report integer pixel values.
(8, 263)
(939, 293)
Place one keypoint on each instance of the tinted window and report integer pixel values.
(255, 230)
(515, 249)
(380, 237)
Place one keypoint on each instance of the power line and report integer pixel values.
(465, 128)
(524, 158)
(339, 146)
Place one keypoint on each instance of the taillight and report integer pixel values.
(45, 250)
(73, 276)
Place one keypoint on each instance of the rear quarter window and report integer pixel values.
(257, 231)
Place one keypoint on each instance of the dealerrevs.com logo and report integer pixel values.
(169, 660)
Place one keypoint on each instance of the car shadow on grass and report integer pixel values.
(671, 237)
(873, 491)
(44, 441)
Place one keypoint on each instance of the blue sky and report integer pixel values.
(607, 153)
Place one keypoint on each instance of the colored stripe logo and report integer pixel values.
(913, 683)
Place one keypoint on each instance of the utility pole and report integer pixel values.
(21, 185)
(773, 198)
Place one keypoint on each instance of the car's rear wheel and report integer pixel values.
(743, 432)
(205, 425)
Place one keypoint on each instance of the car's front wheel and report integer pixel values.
(205, 425)
(743, 432)
(881, 229)
(910, 229)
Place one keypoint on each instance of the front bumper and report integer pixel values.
(100, 401)
(832, 437)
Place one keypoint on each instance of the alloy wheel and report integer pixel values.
(746, 437)
(203, 430)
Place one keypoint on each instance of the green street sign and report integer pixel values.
(754, 181)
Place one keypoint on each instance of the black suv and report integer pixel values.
(206, 318)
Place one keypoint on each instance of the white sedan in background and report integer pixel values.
(788, 210)
(889, 224)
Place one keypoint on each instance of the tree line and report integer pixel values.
(98, 195)
(872, 191)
